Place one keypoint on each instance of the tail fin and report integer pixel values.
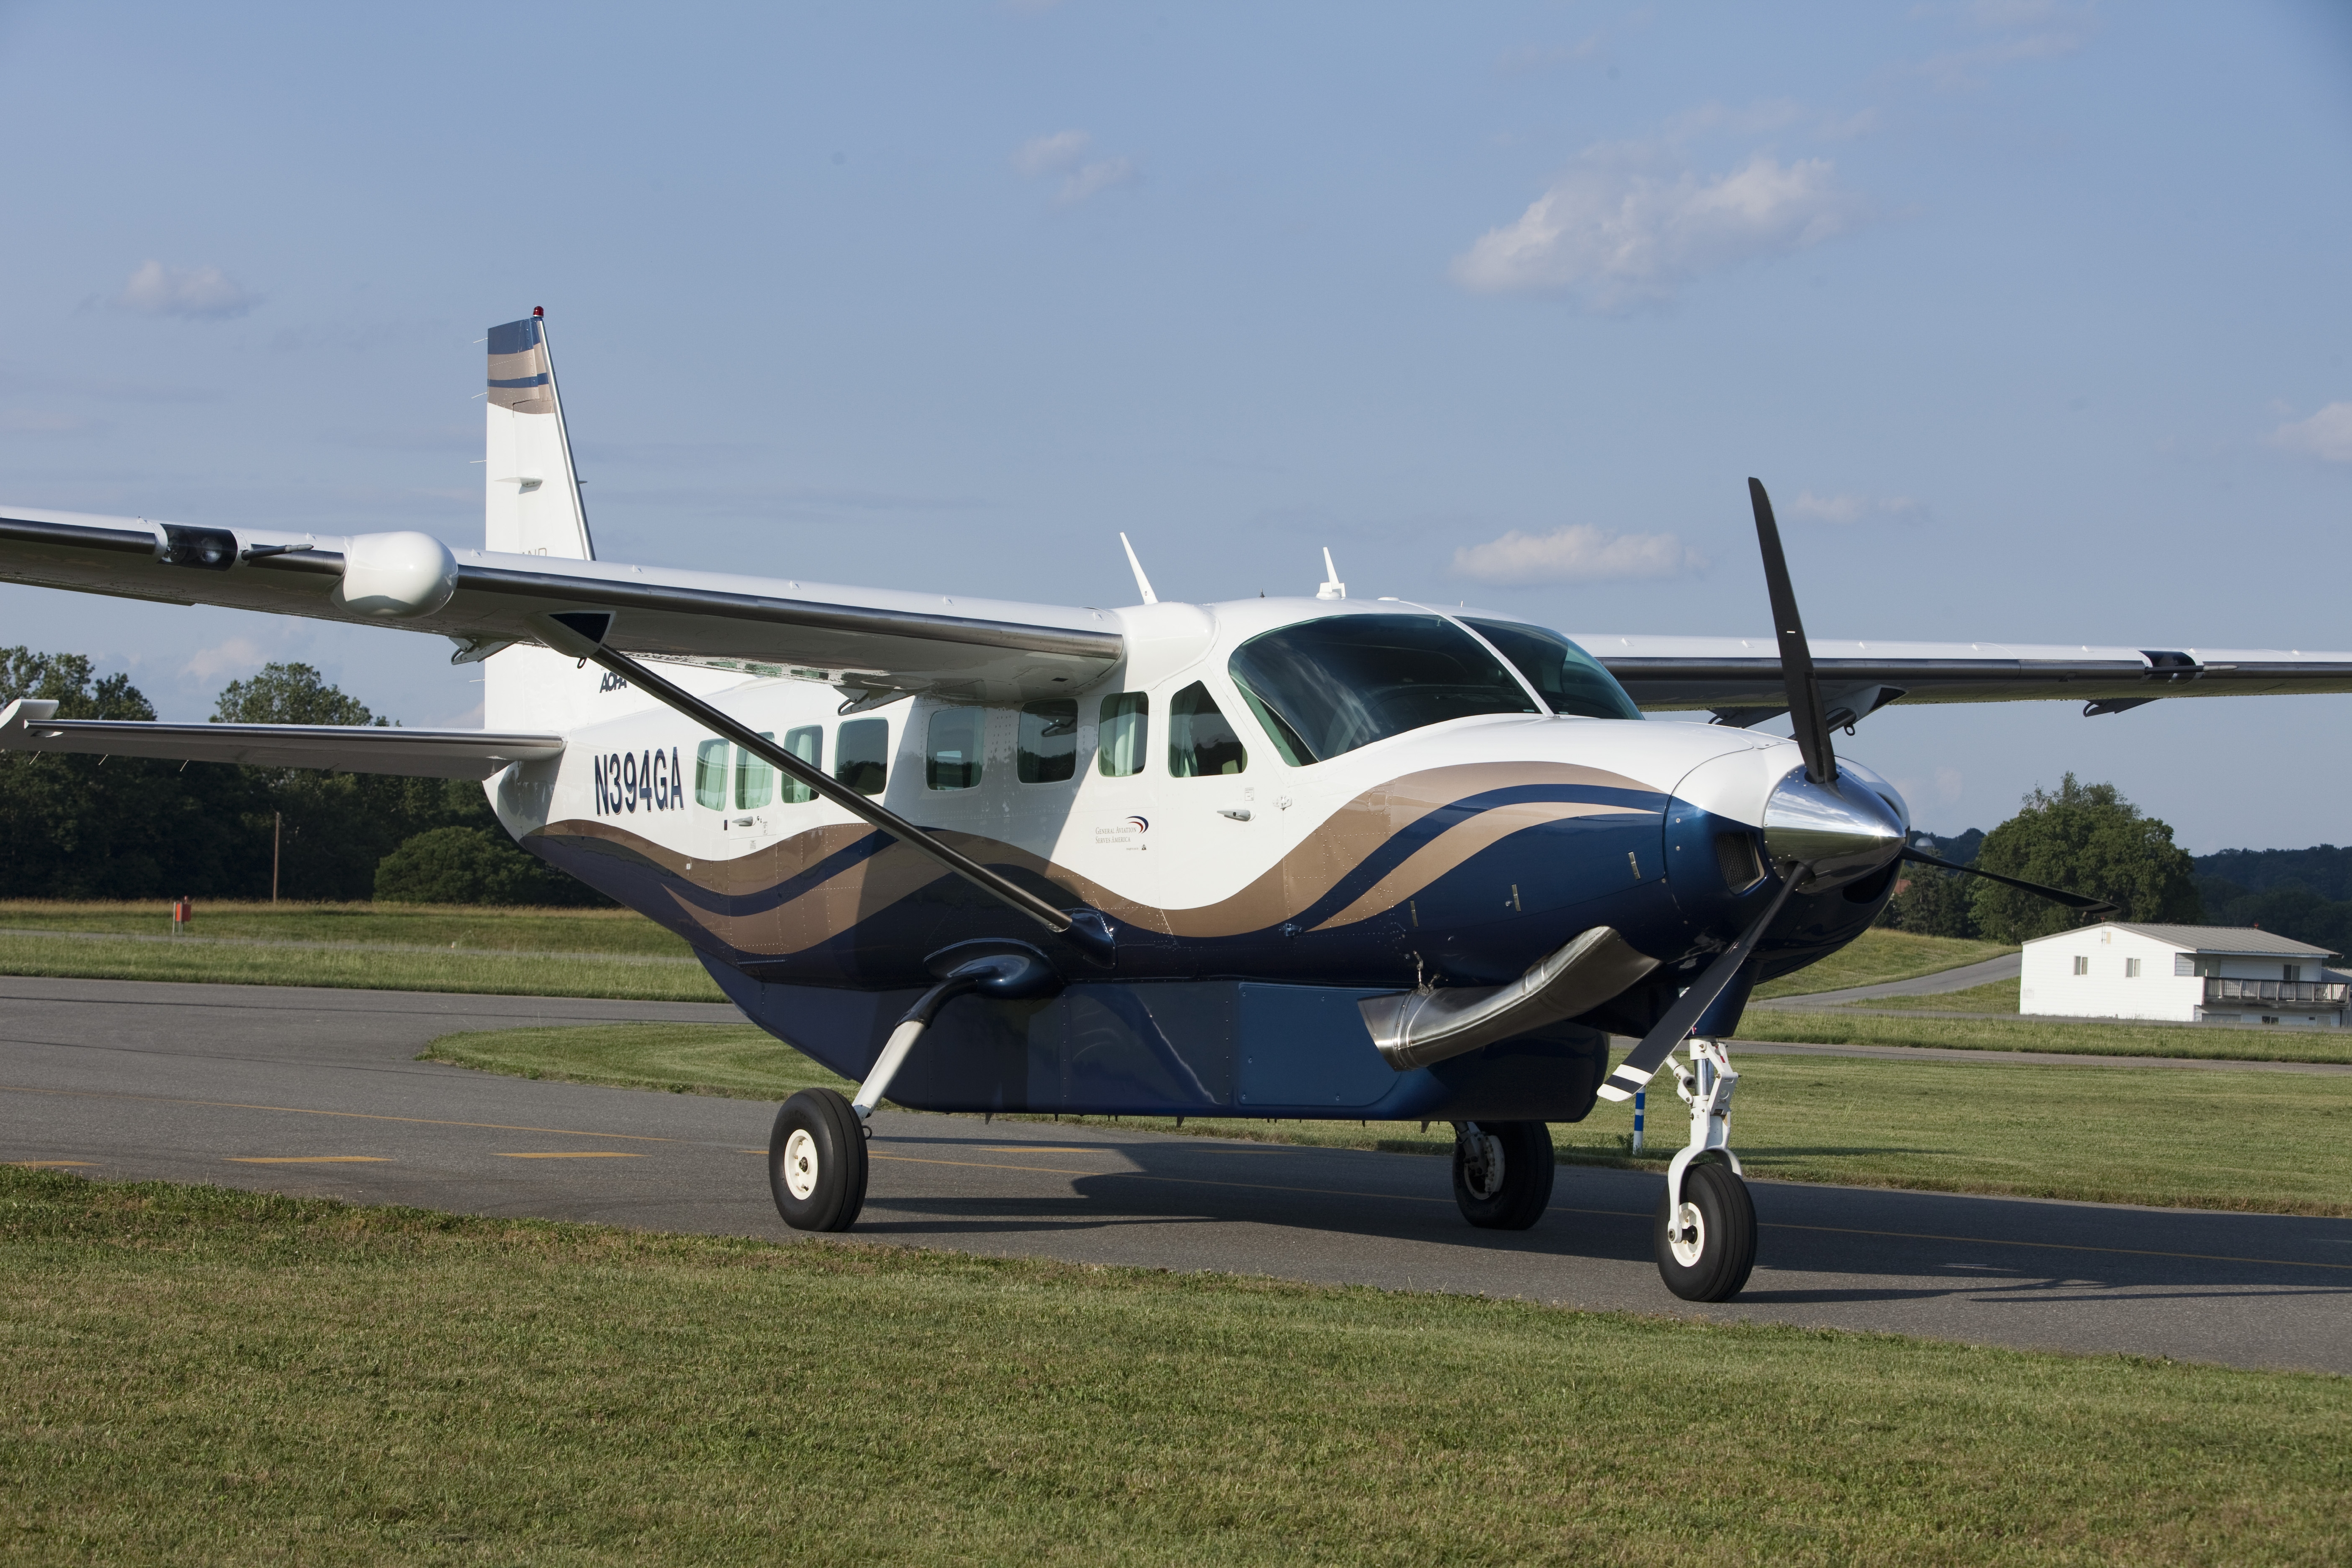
(532, 505)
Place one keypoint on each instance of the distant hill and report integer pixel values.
(2302, 893)
(1961, 850)
(2323, 868)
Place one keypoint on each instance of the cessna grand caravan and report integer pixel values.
(1297, 857)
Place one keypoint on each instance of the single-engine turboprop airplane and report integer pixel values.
(1273, 857)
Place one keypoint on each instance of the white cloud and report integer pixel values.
(2038, 29)
(1578, 553)
(1619, 232)
(235, 656)
(1852, 507)
(1065, 154)
(2326, 434)
(202, 293)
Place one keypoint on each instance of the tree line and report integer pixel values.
(129, 828)
(2090, 839)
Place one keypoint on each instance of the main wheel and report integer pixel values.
(817, 1162)
(1705, 1251)
(1513, 1190)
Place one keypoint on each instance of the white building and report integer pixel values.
(2225, 974)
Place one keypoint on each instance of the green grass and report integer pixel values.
(620, 974)
(200, 1375)
(1996, 996)
(412, 925)
(1853, 1026)
(1876, 957)
(2272, 1142)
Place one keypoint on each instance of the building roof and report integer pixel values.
(2250, 941)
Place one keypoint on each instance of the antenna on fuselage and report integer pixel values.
(1143, 583)
(1331, 587)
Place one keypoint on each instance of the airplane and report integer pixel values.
(1295, 859)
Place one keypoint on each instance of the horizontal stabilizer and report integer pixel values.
(27, 725)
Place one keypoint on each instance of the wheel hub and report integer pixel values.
(800, 1164)
(1484, 1172)
(1688, 1238)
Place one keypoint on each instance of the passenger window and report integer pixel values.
(754, 780)
(807, 743)
(951, 761)
(1049, 741)
(861, 754)
(1200, 741)
(1125, 737)
(711, 774)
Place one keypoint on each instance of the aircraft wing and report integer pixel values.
(860, 639)
(28, 725)
(1738, 678)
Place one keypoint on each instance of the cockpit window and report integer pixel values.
(1566, 676)
(1324, 687)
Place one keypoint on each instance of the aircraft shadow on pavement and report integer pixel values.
(1934, 1244)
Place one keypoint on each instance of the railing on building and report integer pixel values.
(2326, 993)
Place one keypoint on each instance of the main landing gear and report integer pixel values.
(816, 1152)
(1706, 1222)
(1502, 1173)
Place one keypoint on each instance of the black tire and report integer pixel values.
(1523, 1192)
(1716, 1262)
(817, 1162)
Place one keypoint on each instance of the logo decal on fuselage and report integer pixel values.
(650, 780)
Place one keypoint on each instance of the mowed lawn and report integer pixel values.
(202, 1375)
(1989, 1031)
(376, 947)
(1877, 957)
(2272, 1142)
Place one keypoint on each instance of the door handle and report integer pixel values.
(1237, 816)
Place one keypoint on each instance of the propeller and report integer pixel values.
(1802, 687)
(1640, 1064)
(2081, 901)
(1836, 835)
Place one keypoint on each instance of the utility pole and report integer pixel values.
(277, 832)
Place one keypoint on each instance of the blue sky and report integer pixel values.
(2033, 316)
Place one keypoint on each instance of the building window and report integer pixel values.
(2290, 972)
(2082, 964)
(1048, 750)
(807, 743)
(1200, 741)
(711, 774)
(953, 758)
(754, 780)
(2131, 969)
(861, 754)
(2182, 964)
(1123, 742)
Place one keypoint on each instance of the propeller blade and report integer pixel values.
(1798, 681)
(2081, 901)
(1642, 1065)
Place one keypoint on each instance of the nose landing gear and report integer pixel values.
(1706, 1230)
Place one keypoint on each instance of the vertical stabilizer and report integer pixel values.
(532, 506)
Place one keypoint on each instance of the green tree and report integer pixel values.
(2085, 838)
(114, 827)
(1932, 903)
(470, 865)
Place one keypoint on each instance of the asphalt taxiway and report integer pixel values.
(317, 1091)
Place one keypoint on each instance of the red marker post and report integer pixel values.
(183, 912)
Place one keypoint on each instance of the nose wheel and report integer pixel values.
(1706, 1229)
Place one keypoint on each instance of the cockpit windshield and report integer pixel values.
(1568, 679)
(1326, 687)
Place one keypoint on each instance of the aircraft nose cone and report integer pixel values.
(1838, 833)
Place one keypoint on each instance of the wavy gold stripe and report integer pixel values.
(1456, 844)
(1333, 851)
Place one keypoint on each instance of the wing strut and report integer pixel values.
(582, 633)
